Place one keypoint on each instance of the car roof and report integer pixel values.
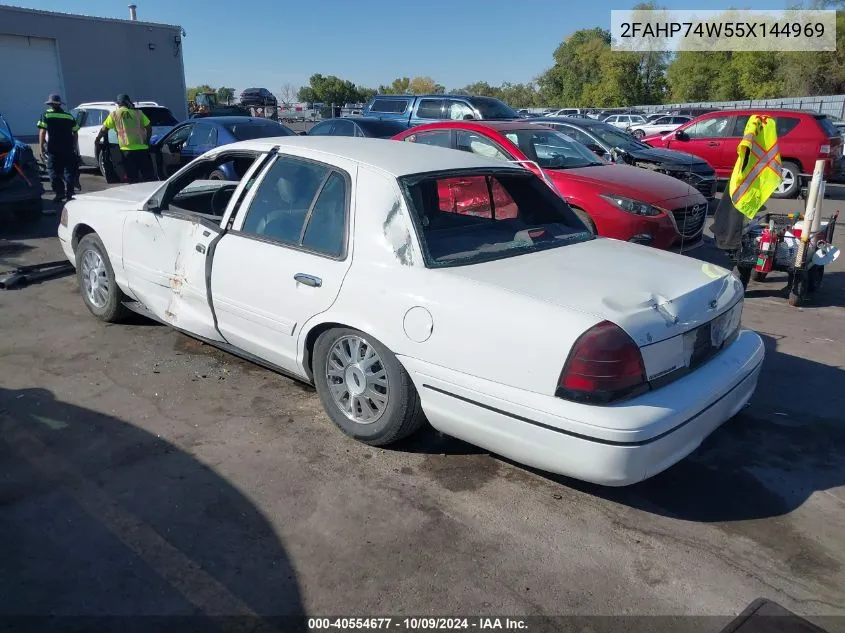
(768, 111)
(230, 119)
(392, 157)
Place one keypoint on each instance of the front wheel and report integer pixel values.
(95, 274)
(364, 389)
(790, 183)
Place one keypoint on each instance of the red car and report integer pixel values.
(619, 201)
(803, 138)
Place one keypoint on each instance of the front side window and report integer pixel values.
(179, 136)
(552, 150)
(469, 218)
(458, 111)
(95, 117)
(478, 144)
(202, 136)
(714, 127)
(300, 203)
(193, 192)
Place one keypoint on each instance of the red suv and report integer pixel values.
(803, 138)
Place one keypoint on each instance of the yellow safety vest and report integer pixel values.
(129, 125)
(757, 172)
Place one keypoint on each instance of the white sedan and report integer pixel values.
(410, 282)
(663, 125)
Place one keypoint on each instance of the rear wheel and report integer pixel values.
(791, 183)
(364, 389)
(638, 134)
(95, 274)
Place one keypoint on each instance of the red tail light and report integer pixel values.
(604, 365)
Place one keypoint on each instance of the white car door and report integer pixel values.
(285, 258)
(91, 122)
(166, 250)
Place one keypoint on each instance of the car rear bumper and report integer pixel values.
(535, 435)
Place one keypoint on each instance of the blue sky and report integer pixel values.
(244, 43)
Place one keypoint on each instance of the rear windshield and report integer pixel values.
(827, 126)
(491, 108)
(159, 116)
(472, 217)
(258, 129)
(393, 106)
(382, 129)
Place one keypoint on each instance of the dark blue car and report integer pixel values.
(194, 137)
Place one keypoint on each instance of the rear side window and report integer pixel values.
(826, 125)
(469, 218)
(439, 138)
(390, 106)
(783, 124)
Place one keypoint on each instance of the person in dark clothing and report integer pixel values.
(57, 139)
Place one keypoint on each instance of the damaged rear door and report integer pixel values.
(285, 258)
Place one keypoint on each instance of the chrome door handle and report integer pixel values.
(308, 280)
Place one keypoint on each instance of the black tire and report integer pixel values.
(217, 175)
(814, 278)
(585, 218)
(113, 311)
(101, 163)
(798, 290)
(403, 413)
(638, 134)
(759, 276)
(744, 274)
(795, 187)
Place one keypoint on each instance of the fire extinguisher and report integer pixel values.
(766, 253)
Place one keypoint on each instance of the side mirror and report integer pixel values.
(681, 135)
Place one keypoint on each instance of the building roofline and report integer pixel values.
(77, 16)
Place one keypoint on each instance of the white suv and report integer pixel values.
(90, 117)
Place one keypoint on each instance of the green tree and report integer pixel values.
(400, 85)
(425, 86)
(365, 94)
(225, 95)
(330, 89)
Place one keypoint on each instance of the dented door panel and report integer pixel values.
(165, 256)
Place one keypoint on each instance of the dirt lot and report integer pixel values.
(145, 473)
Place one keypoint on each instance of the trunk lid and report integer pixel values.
(653, 295)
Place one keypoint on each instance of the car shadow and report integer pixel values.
(830, 294)
(765, 462)
(102, 519)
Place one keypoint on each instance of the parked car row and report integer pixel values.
(377, 271)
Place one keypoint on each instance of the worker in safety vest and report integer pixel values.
(133, 138)
(58, 142)
(757, 172)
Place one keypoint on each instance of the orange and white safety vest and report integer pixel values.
(757, 172)
(129, 125)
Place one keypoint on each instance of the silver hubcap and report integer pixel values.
(357, 379)
(787, 181)
(95, 280)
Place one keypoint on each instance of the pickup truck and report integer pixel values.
(414, 110)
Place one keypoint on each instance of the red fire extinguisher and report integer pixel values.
(766, 253)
